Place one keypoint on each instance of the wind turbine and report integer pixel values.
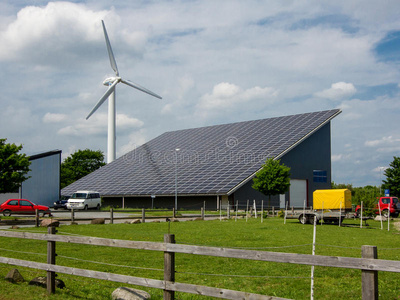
(111, 82)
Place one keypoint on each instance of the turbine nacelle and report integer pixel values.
(110, 80)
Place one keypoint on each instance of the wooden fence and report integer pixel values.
(368, 264)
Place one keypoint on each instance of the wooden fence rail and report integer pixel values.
(368, 264)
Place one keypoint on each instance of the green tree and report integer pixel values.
(80, 164)
(14, 167)
(392, 174)
(348, 186)
(272, 179)
(367, 194)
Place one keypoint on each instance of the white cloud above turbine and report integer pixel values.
(63, 34)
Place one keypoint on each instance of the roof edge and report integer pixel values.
(44, 154)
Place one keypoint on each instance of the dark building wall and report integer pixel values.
(312, 154)
(43, 186)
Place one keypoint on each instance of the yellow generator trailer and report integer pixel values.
(329, 206)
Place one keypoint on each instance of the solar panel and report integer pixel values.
(211, 160)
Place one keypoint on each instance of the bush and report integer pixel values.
(281, 213)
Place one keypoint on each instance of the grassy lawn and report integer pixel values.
(282, 280)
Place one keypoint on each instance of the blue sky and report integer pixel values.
(213, 62)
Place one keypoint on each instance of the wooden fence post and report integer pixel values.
(228, 211)
(37, 218)
(169, 266)
(72, 215)
(262, 210)
(173, 213)
(202, 213)
(369, 279)
(51, 259)
(143, 216)
(111, 215)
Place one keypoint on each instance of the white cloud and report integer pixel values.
(338, 90)
(50, 28)
(123, 122)
(79, 130)
(54, 118)
(64, 34)
(389, 149)
(97, 125)
(340, 157)
(226, 95)
(380, 169)
(384, 141)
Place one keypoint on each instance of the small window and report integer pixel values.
(24, 203)
(13, 202)
(385, 200)
(320, 176)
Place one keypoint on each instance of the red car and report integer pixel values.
(388, 205)
(22, 206)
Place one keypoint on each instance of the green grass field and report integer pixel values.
(275, 279)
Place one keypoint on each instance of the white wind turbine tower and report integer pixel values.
(111, 82)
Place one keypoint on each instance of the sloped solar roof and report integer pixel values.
(211, 160)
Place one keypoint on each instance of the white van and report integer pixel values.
(84, 200)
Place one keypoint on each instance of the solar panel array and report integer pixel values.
(211, 160)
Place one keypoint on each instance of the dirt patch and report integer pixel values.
(397, 225)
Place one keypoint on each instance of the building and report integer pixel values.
(215, 164)
(43, 185)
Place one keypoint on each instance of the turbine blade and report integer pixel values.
(140, 88)
(110, 52)
(102, 99)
